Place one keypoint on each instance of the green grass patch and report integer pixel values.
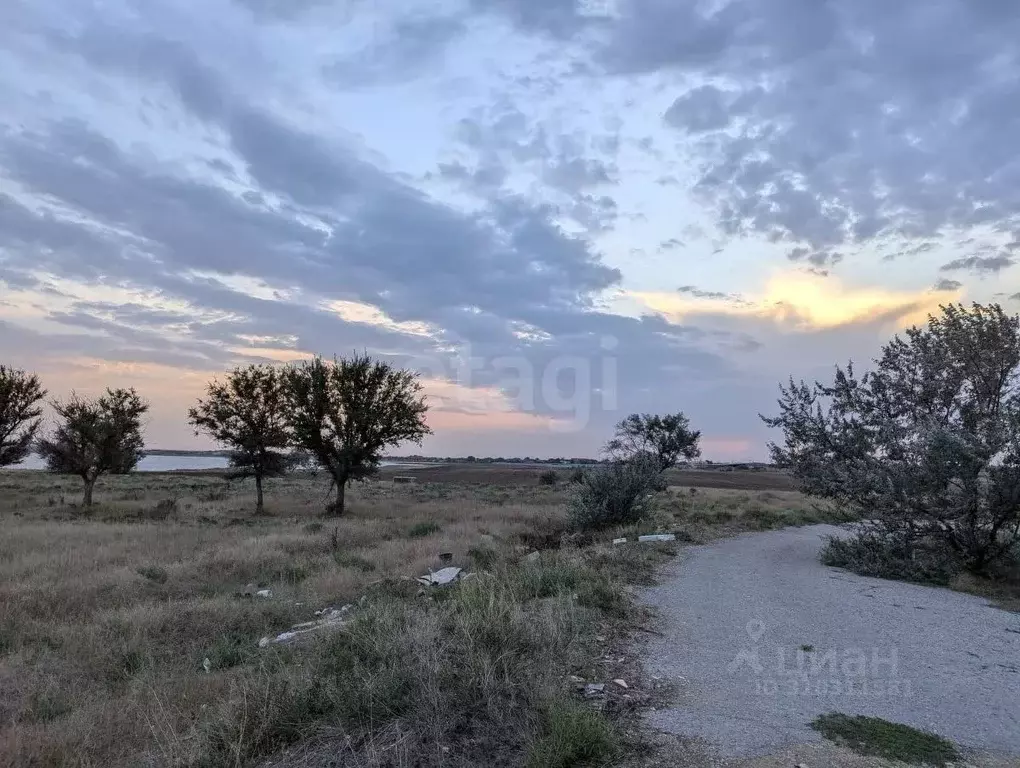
(574, 734)
(893, 741)
(421, 530)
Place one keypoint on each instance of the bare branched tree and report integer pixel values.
(97, 436)
(20, 412)
(927, 445)
(345, 412)
(247, 412)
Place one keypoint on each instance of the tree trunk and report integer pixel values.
(90, 483)
(258, 493)
(337, 507)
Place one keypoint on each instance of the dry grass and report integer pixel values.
(702, 514)
(106, 618)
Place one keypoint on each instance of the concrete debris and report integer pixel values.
(658, 537)
(264, 593)
(532, 557)
(441, 577)
(593, 690)
(621, 682)
(329, 618)
(620, 541)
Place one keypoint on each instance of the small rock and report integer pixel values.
(264, 593)
(592, 690)
(658, 537)
(619, 541)
(264, 642)
(621, 682)
(576, 679)
(207, 665)
(801, 765)
(532, 557)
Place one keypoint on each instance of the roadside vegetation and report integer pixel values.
(881, 738)
(924, 449)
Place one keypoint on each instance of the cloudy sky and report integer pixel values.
(559, 211)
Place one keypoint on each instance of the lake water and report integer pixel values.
(161, 463)
(151, 463)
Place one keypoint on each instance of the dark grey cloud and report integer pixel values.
(945, 284)
(698, 293)
(979, 264)
(816, 259)
(701, 109)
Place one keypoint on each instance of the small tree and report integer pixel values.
(20, 396)
(97, 436)
(667, 439)
(926, 446)
(247, 412)
(345, 412)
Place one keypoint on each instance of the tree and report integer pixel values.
(665, 438)
(927, 445)
(345, 412)
(20, 395)
(98, 435)
(247, 412)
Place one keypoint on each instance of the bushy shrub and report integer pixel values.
(614, 494)
(549, 477)
(881, 555)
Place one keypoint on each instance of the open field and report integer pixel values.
(107, 620)
(509, 474)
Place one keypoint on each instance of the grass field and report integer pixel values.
(126, 637)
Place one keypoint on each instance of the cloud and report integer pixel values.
(403, 49)
(697, 293)
(945, 284)
(796, 302)
(979, 264)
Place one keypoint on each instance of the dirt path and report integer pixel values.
(760, 638)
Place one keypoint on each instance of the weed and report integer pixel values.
(423, 529)
(573, 734)
(46, 705)
(153, 573)
(893, 741)
(230, 649)
(350, 560)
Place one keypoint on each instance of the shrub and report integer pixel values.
(890, 557)
(549, 477)
(926, 446)
(614, 494)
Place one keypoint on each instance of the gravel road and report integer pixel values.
(760, 638)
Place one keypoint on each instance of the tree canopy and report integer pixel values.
(927, 444)
(96, 436)
(345, 412)
(20, 413)
(667, 439)
(247, 412)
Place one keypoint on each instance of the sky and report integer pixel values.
(559, 212)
